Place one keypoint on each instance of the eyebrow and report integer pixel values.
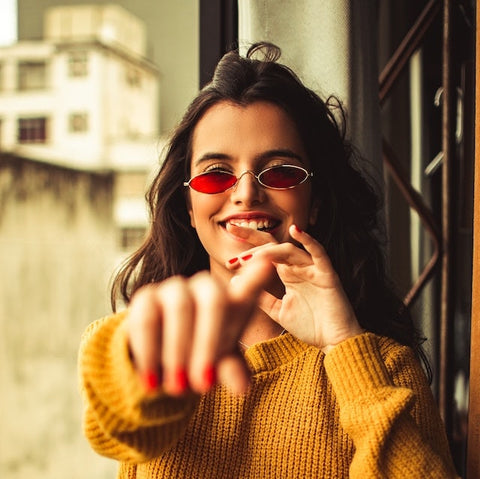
(275, 153)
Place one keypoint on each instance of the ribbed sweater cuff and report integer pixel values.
(355, 365)
(107, 366)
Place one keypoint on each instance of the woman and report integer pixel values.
(261, 338)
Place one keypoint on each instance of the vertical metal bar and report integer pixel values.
(218, 33)
(445, 398)
(473, 445)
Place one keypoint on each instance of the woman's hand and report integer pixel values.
(314, 307)
(183, 332)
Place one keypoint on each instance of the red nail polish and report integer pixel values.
(246, 257)
(233, 260)
(151, 380)
(210, 376)
(181, 380)
(298, 230)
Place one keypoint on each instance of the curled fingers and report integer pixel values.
(313, 247)
(159, 326)
(210, 331)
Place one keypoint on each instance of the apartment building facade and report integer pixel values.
(86, 97)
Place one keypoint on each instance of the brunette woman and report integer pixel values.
(261, 338)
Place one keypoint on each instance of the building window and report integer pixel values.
(78, 64)
(32, 75)
(32, 130)
(133, 77)
(131, 237)
(78, 122)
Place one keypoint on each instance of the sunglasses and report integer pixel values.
(280, 177)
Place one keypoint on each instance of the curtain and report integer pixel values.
(332, 46)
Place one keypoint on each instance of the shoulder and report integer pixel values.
(401, 362)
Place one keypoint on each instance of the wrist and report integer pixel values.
(353, 333)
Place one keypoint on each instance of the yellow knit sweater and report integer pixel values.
(365, 410)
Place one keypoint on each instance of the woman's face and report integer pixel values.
(236, 139)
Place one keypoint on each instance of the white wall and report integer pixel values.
(117, 112)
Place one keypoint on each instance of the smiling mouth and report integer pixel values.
(260, 224)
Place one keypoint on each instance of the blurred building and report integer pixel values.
(172, 44)
(85, 97)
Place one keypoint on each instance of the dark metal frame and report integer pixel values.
(218, 33)
(440, 235)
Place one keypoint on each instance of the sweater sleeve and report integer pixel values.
(388, 410)
(121, 420)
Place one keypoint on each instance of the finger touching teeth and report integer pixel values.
(261, 224)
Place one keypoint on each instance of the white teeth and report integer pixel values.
(254, 225)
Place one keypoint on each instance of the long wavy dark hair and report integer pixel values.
(348, 218)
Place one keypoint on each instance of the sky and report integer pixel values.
(8, 21)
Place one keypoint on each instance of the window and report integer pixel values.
(32, 75)
(32, 130)
(78, 122)
(78, 64)
(131, 237)
(133, 77)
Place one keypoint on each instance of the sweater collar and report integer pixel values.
(269, 355)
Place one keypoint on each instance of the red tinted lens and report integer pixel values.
(213, 182)
(282, 176)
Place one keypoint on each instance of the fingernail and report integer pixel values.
(246, 257)
(209, 376)
(181, 380)
(151, 380)
(297, 229)
(233, 260)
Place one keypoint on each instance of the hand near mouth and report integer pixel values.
(314, 307)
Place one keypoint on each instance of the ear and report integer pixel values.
(192, 218)
(188, 204)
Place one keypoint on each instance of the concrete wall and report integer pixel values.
(56, 255)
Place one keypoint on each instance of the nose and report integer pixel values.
(247, 190)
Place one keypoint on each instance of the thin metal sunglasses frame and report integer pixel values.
(308, 174)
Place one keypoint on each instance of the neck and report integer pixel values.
(260, 328)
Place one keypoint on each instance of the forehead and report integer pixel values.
(238, 130)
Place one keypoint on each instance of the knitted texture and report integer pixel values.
(363, 411)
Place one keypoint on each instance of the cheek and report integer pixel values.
(201, 208)
(301, 207)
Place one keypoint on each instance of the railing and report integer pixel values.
(440, 235)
